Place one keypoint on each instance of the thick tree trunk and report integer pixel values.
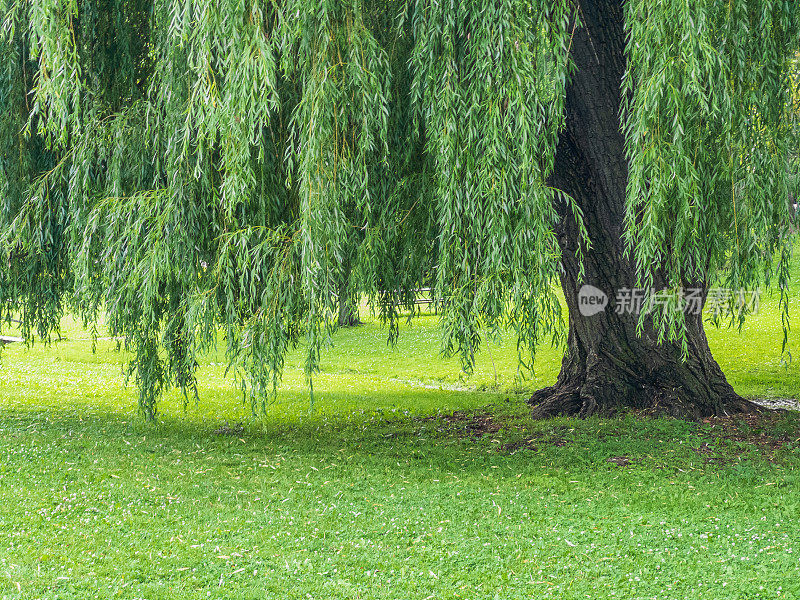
(607, 366)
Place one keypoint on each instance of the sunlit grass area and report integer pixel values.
(362, 372)
(406, 479)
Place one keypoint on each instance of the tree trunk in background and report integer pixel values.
(607, 366)
(348, 313)
(348, 302)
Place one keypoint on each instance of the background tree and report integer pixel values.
(186, 167)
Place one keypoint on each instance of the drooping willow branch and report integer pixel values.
(197, 169)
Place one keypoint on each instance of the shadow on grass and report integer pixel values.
(498, 435)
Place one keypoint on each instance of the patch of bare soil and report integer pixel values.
(471, 424)
(226, 429)
(736, 435)
(467, 424)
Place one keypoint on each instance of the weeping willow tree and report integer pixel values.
(206, 170)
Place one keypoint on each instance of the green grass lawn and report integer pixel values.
(405, 481)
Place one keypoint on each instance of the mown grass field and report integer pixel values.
(404, 481)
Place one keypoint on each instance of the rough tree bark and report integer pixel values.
(607, 366)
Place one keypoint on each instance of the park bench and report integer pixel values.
(422, 297)
(425, 299)
(10, 339)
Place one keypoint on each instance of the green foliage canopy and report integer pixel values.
(711, 132)
(191, 167)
